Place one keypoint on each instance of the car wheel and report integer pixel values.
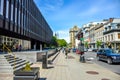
(109, 61)
(98, 58)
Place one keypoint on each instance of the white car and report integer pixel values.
(89, 49)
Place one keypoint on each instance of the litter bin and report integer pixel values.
(44, 60)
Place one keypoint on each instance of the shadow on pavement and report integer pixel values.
(42, 78)
(50, 67)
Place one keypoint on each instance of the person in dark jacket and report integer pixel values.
(66, 52)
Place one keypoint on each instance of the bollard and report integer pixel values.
(44, 61)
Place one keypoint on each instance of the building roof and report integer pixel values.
(117, 20)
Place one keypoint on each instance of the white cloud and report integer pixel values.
(64, 34)
(49, 5)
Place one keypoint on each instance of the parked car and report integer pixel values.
(108, 55)
(94, 50)
(90, 49)
(74, 49)
(85, 49)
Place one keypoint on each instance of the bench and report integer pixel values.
(52, 58)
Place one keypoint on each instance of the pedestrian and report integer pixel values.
(82, 57)
(16, 47)
(66, 52)
(20, 47)
(63, 50)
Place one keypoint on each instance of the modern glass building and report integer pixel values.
(22, 20)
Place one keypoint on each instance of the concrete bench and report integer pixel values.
(51, 59)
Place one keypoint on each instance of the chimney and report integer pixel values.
(111, 20)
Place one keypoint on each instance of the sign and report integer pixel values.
(82, 39)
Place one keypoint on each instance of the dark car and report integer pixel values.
(74, 50)
(94, 50)
(108, 55)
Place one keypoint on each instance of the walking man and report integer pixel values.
(66, 52)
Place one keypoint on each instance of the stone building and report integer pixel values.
(72, 32)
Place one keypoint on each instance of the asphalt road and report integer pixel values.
(113, 67)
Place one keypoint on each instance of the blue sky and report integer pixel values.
(62, 15)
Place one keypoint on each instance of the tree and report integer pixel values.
(98, 43)
(70, 45)
(57, 42)
(61, 42)
(86, 44)
(54, 42)
(109, 45)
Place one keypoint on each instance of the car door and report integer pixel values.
(104, 55)
(99, 53)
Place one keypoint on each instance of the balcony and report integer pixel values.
(110, 31)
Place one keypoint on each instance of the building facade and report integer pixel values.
(22, 20)
(90, 33)
(72, 34)
(106, 31)
(112, 33)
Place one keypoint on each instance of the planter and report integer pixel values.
(27, 75)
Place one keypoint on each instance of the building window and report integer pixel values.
(106, 29)
(1, 7)
(7, 8)
(11, 12)
(111, 36)
(118, 26)
(108, 37)
(109, 27)
(118, 35)
(22, 20)
(15, 15)
(19, 18)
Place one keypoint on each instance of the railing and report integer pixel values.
(9, 51)
(27, 67)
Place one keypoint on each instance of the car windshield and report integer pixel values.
(110, 51)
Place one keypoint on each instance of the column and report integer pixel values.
(114, 46)
(35, 46)
(40, 47)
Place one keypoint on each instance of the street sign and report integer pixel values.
(82, 39)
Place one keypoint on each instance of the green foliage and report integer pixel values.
(54, 42)
(70, 45)
(98, 43)
(61, 42)
(57, 42)
(86, 44)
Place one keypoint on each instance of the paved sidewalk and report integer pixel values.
(71, 69)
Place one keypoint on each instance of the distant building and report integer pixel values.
(72, 34)
(106, 31)
(56, 35)
(22, 22)
(89, 33)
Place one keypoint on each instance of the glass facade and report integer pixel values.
(25, 21)
(7, 8)
(11, 12)
(1, 6)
